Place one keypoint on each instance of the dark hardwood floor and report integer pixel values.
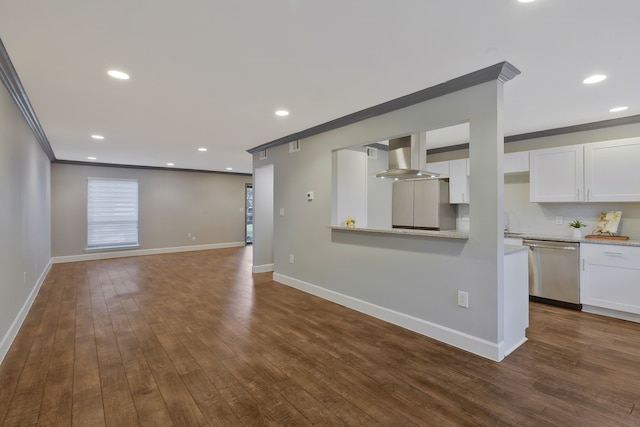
(193, 339)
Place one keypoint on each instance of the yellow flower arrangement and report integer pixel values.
(351, 222)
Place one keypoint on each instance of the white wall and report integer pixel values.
(539, 218)
(25, 219)
(413, 278)
(171, 205)
(378, 193)
(263, 214)
(351, 187)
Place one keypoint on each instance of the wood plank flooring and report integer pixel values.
(193, 339)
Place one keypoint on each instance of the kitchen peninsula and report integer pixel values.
(462, 288)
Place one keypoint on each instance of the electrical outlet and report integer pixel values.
(463, 299)
(559, 220)
(281, 211)
(193, 238)
(291, 259)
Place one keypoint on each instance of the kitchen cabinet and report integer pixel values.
(604, 171)
(556, 174)
(516, 162)
(459, 181)
(611, 172)
(422, 204)
(610, 277)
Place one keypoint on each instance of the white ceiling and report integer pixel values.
(210, 73)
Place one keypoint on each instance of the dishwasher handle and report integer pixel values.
(537, 245)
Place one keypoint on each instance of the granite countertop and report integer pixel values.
(445, 234)
(549, 237)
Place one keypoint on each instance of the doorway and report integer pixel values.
(248, 217)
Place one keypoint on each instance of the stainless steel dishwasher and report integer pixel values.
(554, 272)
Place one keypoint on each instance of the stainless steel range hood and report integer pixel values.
(407, 159)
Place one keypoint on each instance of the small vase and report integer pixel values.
(577, 233)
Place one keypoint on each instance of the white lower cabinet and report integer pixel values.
(610, 277)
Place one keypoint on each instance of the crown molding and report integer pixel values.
(11, 81)
(502, 71)
(160, 168)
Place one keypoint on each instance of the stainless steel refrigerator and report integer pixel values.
(422, 204)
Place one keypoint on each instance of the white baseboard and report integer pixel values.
(139, 252)
(264, 268)
(11, 334)
(447, 335)
(632, 317)
(505, 353)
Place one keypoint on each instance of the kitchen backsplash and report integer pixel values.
(540, 218)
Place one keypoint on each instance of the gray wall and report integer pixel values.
(25, 225)
(415, 276)
(171, 205)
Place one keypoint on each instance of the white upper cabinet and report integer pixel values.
(612, 171)
(556, 174)
(516, 162)
(604, 171)
(459, 181)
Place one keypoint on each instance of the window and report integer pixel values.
(112, 213)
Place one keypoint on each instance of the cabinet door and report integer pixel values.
(612, 172)
(459, 181)
(556, 174)
(516, 162)
(425, 203)
(610, 277)
(402, 204)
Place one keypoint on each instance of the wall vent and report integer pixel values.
(294, 146)
(372, 153)
(262, 154)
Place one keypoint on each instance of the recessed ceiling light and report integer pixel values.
(596, 78)
(91, 158)
(202, 149)
(170, 164)
(282, 113)
(229, 169)
(616, 109)
(97, 136)
(120, 75)
(525, 1)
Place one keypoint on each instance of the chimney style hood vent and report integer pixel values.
(407, 159)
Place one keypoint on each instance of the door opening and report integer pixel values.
(248, 219)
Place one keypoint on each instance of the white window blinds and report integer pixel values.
(112, 213)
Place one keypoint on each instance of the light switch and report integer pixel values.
(281, 211)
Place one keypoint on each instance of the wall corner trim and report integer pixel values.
(12, 82)
(461, 340)
(11, 334)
